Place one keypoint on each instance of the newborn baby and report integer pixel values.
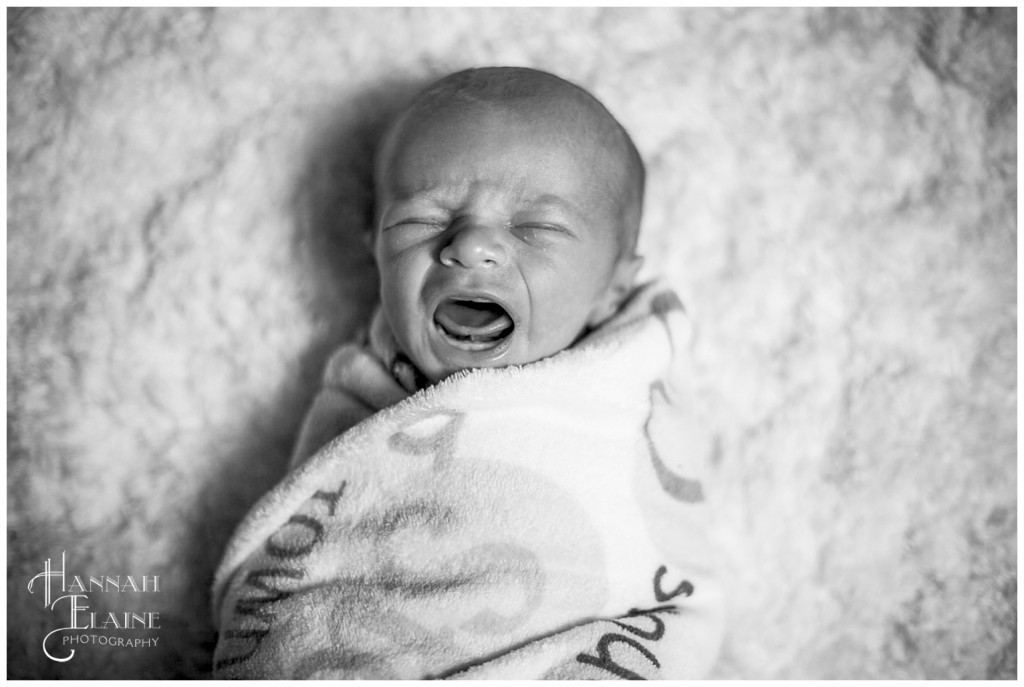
(508, 206)
(501, 480)
(509, 203)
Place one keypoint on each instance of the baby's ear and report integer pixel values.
(619, 286)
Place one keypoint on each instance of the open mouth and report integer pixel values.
(475, 324)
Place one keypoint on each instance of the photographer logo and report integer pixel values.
(68, 596)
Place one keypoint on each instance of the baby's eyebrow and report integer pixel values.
(436, 193)
(556, 202)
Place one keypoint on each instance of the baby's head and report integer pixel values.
(508, 206)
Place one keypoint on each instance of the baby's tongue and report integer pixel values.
(468, 317)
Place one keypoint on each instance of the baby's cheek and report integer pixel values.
(398, 301)
(553, 332)
(401, 275)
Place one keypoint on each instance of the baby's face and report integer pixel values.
(496, 239)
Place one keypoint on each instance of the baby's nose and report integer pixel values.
(476, 245)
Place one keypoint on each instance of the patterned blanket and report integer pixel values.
(544, 521)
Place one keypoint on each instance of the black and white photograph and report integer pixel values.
(516, 343)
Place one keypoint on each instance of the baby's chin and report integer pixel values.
(437, 368)
(441, 374)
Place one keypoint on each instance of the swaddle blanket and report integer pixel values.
(543, 521)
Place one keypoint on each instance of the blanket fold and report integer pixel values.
(543, 521)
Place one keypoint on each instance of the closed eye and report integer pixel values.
(533, 232)
(421, 222)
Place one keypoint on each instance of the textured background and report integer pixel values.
(832, 192)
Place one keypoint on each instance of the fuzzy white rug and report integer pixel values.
(832, 192)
